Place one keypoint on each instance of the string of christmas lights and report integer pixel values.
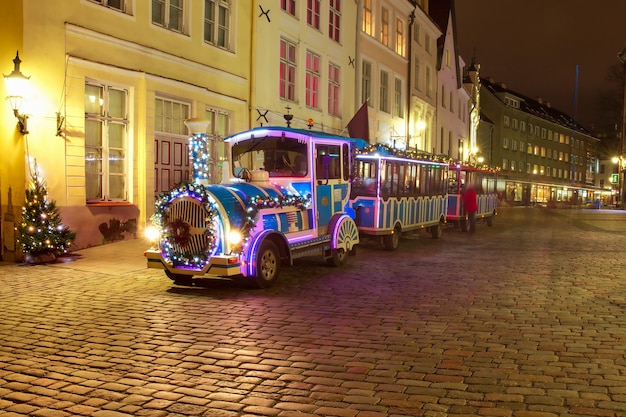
(40, 231)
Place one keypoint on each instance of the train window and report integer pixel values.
(328, 162)
(346, 162)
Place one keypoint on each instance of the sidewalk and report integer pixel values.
(116, 258)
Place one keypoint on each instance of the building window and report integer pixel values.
(505, 164)
(515, 124)
(416, 75)
(366, 24)
(312, 80)
(505, 143)
(522, 126)
(333, 90)
(529, 148)
(530, 129)
(507, 121)
(313, 13)
(384, 91)
(513, 167)
(514, 145)
(334, 20)
(397, 99)
(448, 58)
(443, 96)
(384, 27)
(429, 87)
(400, 37)
(366, 83)
(217, 22)
(451, 101)
(106, 126)
(113, 4)
(427, 42)
(289, 6)
(287, 70)
(416, 33)
(168, 14)
(544, 133)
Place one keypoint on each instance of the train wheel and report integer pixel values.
(346, 237)
(392, 241)
(267, 265)
(436, 231)
(339, 257)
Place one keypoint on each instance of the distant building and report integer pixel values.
(544, 155)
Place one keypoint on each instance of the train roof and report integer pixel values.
(291, 133)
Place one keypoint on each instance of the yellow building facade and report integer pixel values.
(111, 84)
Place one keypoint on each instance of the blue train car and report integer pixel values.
(484, 181)
(284, 196)
(395, 194)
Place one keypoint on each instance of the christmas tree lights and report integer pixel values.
(40, 231)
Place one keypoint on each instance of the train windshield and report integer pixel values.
(280, 157)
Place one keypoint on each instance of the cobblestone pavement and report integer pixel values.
(526, 318)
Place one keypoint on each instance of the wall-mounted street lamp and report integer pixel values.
(16, 84)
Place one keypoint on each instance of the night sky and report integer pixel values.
(534, 46)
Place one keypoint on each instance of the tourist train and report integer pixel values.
(288, 193)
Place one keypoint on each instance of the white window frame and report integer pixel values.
(166, 21)
(288, 70)
(217, 15)
(106, 151)
(312, 80)
(334, 20)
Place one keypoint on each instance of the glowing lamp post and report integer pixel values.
(199, 155)
(17, 85)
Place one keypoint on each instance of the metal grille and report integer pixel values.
(192, 212)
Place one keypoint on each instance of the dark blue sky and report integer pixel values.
(534, 46)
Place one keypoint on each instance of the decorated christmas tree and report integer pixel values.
(40, 231)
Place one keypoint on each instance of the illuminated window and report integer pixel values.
(333, 90)
(312, 79)
(313, 13)
(505, 143)
(334, 20)
(400, 37)
(507, 121)
(287, 70)
(384, 27)
(289, 6)
(219, 128)
(366, 23)
(106, 124)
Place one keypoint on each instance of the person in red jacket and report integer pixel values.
(470, 205)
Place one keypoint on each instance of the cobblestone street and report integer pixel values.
(526, 318)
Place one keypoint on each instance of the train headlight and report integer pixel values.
(153, 234)
(234, 237)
